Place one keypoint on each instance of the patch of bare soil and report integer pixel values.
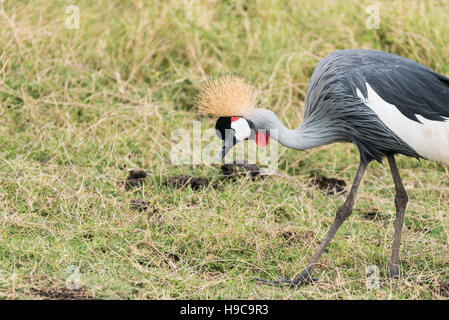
(183, 181)
(136, 178)
(143, 206)
(330, 186)
(61, 294)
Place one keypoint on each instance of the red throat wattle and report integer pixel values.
(261, 136)
(261, 139)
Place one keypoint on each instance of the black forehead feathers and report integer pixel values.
(222, 124)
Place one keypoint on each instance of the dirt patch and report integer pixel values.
(61, 294)
(183, 181)
(234, 170)
(143, 206)
(136, 178)
(330, 186)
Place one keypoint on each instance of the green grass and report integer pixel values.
(81, 107)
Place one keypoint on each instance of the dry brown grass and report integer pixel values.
(81, 107)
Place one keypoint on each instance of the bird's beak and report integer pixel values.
(228, 143)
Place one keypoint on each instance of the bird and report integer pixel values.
(383, 103)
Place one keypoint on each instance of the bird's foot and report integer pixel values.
(303, 279)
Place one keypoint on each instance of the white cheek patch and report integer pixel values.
(242, 129)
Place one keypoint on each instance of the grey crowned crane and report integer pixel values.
(383, 103)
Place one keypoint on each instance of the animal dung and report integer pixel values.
(233, 170)
(330, 186)
(292, 236)
(142, 206)
(135, 179)
(183, 181)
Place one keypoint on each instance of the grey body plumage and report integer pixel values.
(383, 103)
(335, 113)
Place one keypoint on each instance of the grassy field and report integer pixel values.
(81, 107)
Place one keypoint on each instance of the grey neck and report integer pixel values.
(302, 138)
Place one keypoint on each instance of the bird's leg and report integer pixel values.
(342, 214)
(400, 202)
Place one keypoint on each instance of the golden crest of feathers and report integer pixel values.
(228, 94)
